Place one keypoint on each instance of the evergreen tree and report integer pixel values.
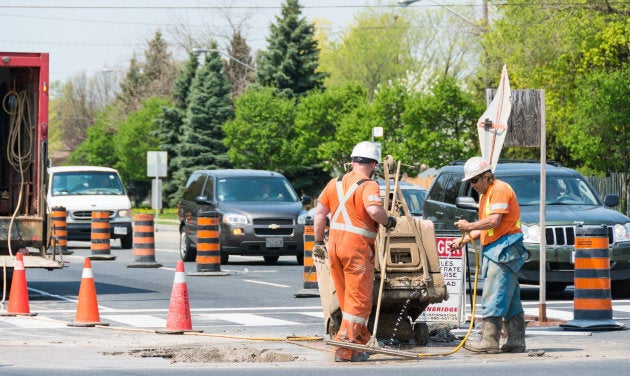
(170, 126)
(292, 58)
(131, 86)
(158, 69)
(236, 68)
(153, 77)
(209, 107)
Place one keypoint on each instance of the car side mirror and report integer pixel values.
(202, 200)
(611, 200)
(465, 202)
(306, 200)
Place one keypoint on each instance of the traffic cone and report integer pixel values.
(18, 296)
(87, 307)
(178, 320)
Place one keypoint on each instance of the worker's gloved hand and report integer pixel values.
(391, 223)
(320, 251)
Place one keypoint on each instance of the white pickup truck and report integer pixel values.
(83, 189)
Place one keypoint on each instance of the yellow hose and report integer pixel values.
(474, 303)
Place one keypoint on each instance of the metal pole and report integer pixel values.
(542, 306)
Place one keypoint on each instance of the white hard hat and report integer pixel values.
(475, 166)
(365, 149)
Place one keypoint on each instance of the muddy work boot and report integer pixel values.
(490, 333)
(515, 334)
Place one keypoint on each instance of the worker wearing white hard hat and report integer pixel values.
(499, 230)
(354, 203)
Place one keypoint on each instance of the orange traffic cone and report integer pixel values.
(18, 296)
(178, 320)
(87, 308)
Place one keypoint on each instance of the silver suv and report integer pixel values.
(258, 214)
(570, 201)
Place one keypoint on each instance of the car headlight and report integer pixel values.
(622, 232)
(123, 213)
(234, 219)
(531, 234)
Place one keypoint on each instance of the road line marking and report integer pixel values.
(248, 319)
(30, 323)
(64, 298)
(138, 320)
(319, 314)
(288, 309)
(551, 313)
(266, 283)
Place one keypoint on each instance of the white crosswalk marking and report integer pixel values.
(147, 321)
(247, 319)
(318, 314)
(27, 322)
(551, 313)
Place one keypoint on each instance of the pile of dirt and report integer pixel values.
(204, 354)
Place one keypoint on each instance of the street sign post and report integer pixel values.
(156, 168)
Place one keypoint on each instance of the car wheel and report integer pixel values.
(271, 259)
(186, 250)
(224, 258)
(126, 242)
(300, 259)
(620, 289)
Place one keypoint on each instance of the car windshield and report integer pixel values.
(255, 189)
(86, 183)
(561, 190)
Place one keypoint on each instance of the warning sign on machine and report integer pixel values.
(452, 266)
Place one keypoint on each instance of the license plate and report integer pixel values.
(120, 230)
(274, 242)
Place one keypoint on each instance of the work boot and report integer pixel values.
(490, 333)
(515, 334)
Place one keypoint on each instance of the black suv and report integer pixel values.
(571, 201)
(257, 211)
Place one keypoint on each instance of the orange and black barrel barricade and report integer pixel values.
(101, 248)
(592, 298)
(144, 242)
(59, 232)
(310, 287)
(208, 245)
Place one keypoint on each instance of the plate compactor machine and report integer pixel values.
(407, 275)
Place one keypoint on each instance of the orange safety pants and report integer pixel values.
(352, 272)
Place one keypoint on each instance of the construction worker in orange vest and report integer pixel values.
(356, 209)
(499, 230)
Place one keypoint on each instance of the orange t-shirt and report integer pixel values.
(500, 199)
(367, 194)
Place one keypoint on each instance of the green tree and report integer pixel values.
(440, 126)
(600, 121)
(318, 117)
(152, 77)
(159, 71)
(169, 125)
(558, 47)
(260, 135)
(98, 148)
(209, 107)
(134, 138)
(237, 68)
(291, 60)
(374, 51)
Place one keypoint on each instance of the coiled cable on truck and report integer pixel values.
(16, 104)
